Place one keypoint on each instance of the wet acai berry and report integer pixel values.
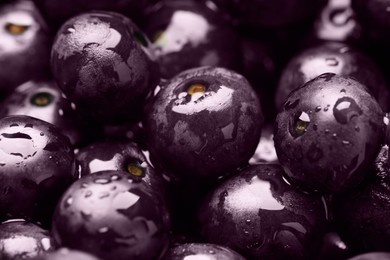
(260, 216)
(24, 45)
(201, 251)
(190, 34)
(37, 164)
(20, 239)
(104, 64)
(204, 123)
(327, 134)
(114, 216)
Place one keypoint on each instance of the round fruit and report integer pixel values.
(183, 29)
(114, 216)
(103, 63)
(204, 123)
(37, 164)
(327, 134)
(260, 216)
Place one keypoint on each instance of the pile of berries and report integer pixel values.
(194, 129)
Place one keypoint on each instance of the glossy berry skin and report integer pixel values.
(120, 156)
(277, 13)
(24, 45)
(21, 240)
(332, 57)
(190, 34)
(113, 216)
(42, 99)
(204, 123)
(65, 254)
(201, 251)
(260, 216)
(103, 63)
(362, 215)
(37, 165)
(328, 132)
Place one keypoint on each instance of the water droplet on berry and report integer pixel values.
(68, 201)
(346, 143)
(102, 181)
(345, 110)
(88, 194)
(331, 62)
(103, 230)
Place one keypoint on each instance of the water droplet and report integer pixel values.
(50, 157)
(114, 177)
(386, 120)
(331, 61)
(326, 109)
(318, 109)
(84, 185)
(248, 221)
(103, 230)
(300, 125)
(102, 181)
(104, 194)
(343, 91)
(327, 131)
(346, 143)
(345, 110)
(41, 134)
(357, 129)
(246, 233)
(344, 50)
(88, 194)
(211, 252)
(68, 202)
(334, 135)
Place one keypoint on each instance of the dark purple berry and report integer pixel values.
(204, 123)
(328, 133)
